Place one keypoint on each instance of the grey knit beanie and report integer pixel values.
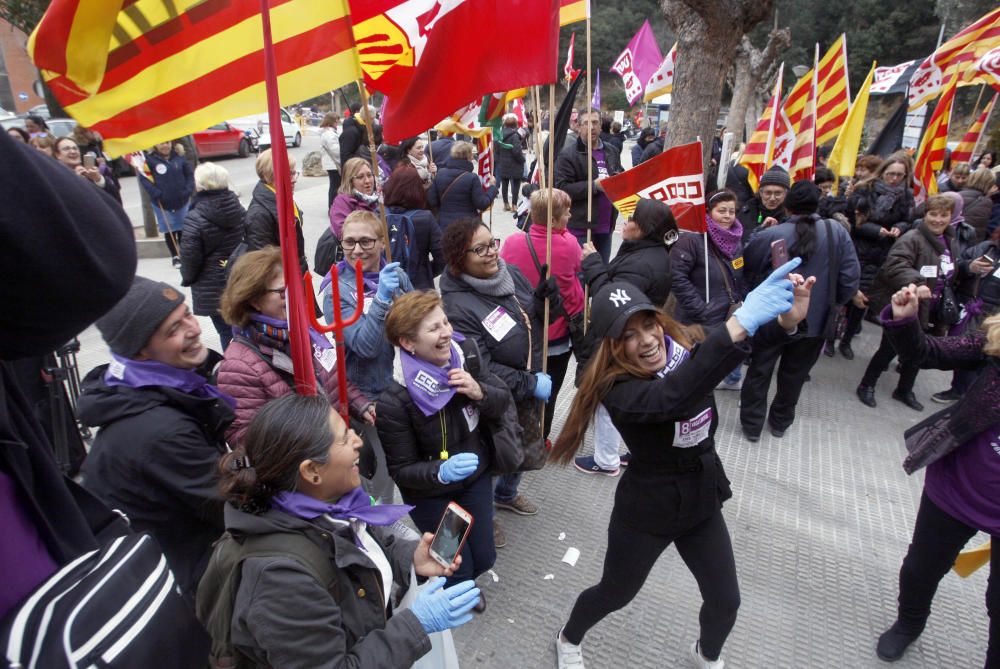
(776, 176)
(131, 322)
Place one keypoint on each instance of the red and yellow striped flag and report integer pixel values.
(800, 108)
(760, 149)
(832, 93)
(963, 152)
(141, 72)
(573, 11)
(930, 155)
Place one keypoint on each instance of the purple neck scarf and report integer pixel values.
(355, 505)
(146, 373)
(426, 382)
(318, 340)
(727, 241)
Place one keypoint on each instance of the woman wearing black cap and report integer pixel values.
(658, 392)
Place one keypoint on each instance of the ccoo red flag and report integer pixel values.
(431, 58)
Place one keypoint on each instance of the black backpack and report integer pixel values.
(402, 238)
(118, 606)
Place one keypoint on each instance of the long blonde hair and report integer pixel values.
(992, 327)
(608, 363)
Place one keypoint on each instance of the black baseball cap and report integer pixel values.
(613, 305)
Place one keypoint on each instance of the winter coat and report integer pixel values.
(283, 617)
(215, 225)
(652, 149)
(725, 278)
(645, 263)
(971, 285)
(343, 205)
(429, 260)
(977, 210)
(616, 140)
(753, 213)
(458, 193)
(637, 150)
(571, 176)
(249, 375)
(915, 251)
(156, 458)
(518, 354)
(737, 180)
(353, 136)
(369, 354)
(884, 214)
(441, 148)
(757, 266)
(994, 222)
(564, 265)
(173, 180)
(262, 223)
(510, 162)
(330, 143)
(414, 442)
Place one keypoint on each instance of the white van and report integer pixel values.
(257, 129)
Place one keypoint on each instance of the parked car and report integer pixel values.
(60, 127)
(221, 139)
(258, 130)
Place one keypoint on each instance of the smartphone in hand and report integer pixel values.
(89, 160)
(779, 253)
(451, 534)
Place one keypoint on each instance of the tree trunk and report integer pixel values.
(752, 68)
(709, 33)
(743, 89)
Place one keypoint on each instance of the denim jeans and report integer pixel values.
(506, 487)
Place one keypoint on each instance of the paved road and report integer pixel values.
(820, 521)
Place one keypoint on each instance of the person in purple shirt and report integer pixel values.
(960, 446)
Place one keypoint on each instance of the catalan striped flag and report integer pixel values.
(833, 93)
(956, 57)
(963, 152)
(573, 11)
(760, 149)
(930, 155)
(141, 72)
(800, 107)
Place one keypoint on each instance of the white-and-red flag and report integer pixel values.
(568, 72)
(484, 160)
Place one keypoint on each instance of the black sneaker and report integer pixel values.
(846, 350)
(867, 395)
(893, 643)
(829, 350)
(750, 436)
(946, 396)
(777, 432)
(907, 398)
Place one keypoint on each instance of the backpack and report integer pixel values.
(328, 252)
(114, 607)
(221, 582)
(402, 239)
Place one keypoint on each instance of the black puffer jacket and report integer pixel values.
(888, 208)
(753, 213)
(645, 263)
(458, 193)
(413, 442)
(156, 459)
(353, 136)
(510, 162)
(508, 357)
(214, 226)
(725, 278)
(571, 176)
(262, 223)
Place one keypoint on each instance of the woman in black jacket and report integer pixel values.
(429, 424)
(405, 196)
(457, 191)
(262, 214)
(643, 259)
(659, 394)
(510, 161)
(214, 227)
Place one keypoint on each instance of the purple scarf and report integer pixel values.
(729, 242)
(355, 505)
(277, 329)
(426, 382)
(146, 373)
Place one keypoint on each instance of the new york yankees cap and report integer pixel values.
(613, 305)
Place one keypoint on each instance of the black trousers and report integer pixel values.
(854, 318)
(793, 358)
(557, 365)
(706, 550)
(334, 176)
(880, 362)
(173, 240)
(515, 189)
(938, 538)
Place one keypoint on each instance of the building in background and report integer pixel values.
(19, 85)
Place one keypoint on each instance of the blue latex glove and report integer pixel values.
(440, 609)
(458, 467)
(543, 386)
(388, 282)
(769, 300)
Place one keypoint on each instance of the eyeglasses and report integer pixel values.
(367, 243)
(894, 175)
(276, 291)
(483, 249)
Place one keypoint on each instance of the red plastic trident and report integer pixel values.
(338, 325)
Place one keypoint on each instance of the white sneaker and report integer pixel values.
(568, 655)
(701, 662)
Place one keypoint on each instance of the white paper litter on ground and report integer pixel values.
(496, 579)
(562, 536)
(572, 555)
(548, 577)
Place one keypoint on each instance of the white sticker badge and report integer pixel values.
(688, 433)
(929, 271)
(471, 414)
(498, 323)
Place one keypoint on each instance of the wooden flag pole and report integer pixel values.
(590, 180)
(539, 145)
(370, 124)
(975, 107)
(548, 241)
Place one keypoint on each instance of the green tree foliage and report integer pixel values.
(23, 14)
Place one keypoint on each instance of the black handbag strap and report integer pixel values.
(725, 276)
(832, 269)
(538, 268)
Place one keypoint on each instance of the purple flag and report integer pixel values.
(596, 102)
(638, 62)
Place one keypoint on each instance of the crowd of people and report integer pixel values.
(278, 513)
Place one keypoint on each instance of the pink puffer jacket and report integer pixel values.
(253, 382)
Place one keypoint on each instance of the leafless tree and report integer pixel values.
(753, 67)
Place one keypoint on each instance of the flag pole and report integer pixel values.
(590, 178)
(705, 235)
(539, 145)
(548, 240)
(370, 124)
(975, 107)
(986, 123)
